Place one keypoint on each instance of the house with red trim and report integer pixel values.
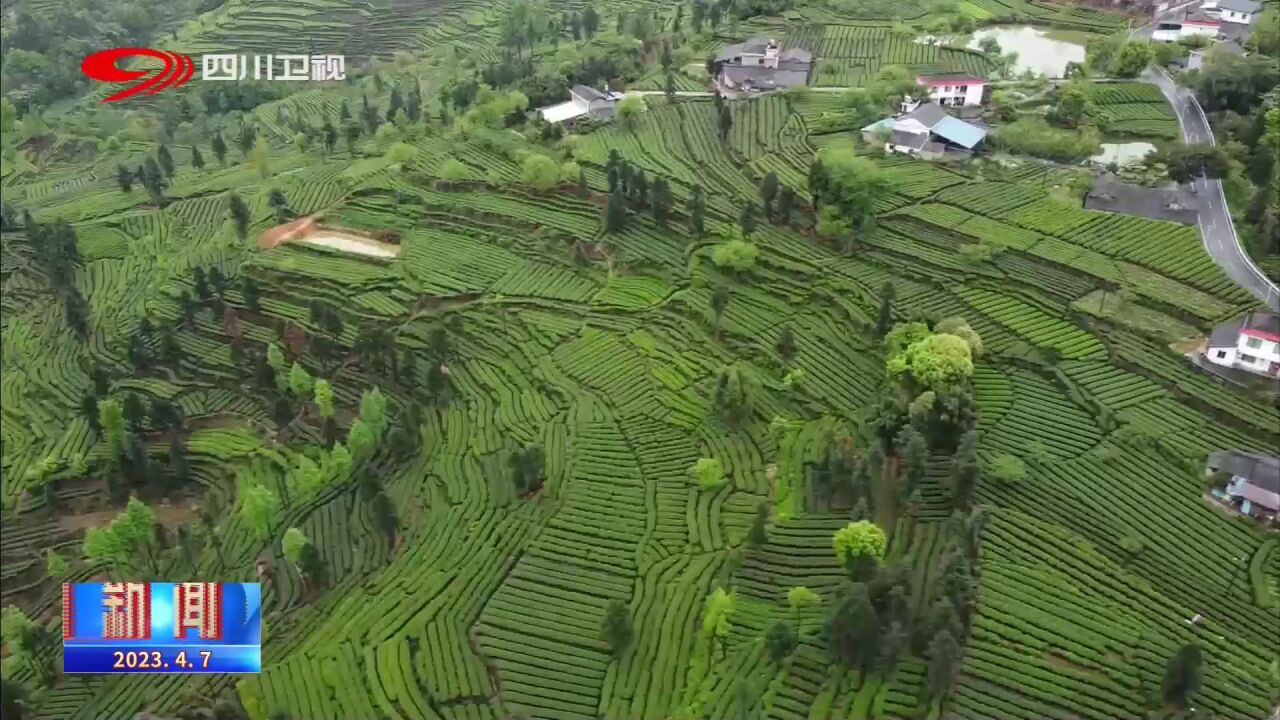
(952, 90)
(1200, 24)
(1251, 343)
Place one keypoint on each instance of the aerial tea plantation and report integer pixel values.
(641, 436)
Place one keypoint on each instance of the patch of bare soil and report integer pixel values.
(166, 514)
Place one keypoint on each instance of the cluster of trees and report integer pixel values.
(1034, 136)
(56, 253)
(124, 424)
(630, 187)
(844, 188)
(873, 624)
(1118, 55)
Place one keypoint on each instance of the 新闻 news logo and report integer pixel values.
(177, 68)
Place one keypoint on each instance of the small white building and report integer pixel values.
(1241, 12)
(1252, 344)
(1167, 32)
(953, 90)
(583, 101)
(927, 132)
(1200, 25)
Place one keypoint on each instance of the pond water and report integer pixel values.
(1038, 50)
(1122, 153)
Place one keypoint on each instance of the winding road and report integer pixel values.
(1219, 233)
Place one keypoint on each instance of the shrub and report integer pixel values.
(1007, 468)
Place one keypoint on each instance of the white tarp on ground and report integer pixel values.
(347, 243)
(562, 111)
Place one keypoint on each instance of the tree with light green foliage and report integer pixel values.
(259, 506)
(401, 153)
(1133, 58)
(936, 362)
(111, 420)
(300, 381)
(1007, 468)
(859, 544)
(539, 172)
(360, 438)
(453, 170)
(960, 328)
(630, 108)
(55, 565)
(736, 255)
(258, 157)
(801, 598)
(324, 397)
(275, 358)
(130, 536)
(902, 336)
(717, 614)
(708, 473)
(293, 543)
(373, 410)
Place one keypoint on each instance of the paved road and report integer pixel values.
(1220, 239)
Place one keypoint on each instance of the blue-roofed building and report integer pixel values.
(927, 131)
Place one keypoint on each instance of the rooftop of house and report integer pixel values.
(1261, 324)
(763, 77)
(950, 79)
(1242, 6)
(589, 93)
(1200, 18)
(757, 46)
(908, 139)
(931, 117)
(1224, 335)
(1261, 471)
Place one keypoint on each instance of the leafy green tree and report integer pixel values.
(124, 178)
(130, 536)
(938, 361)
(738, 255)
(1133, 58)
(859, 541)
(708, 473)
(786, 345)
(300, 381)
(616, 626)
(1073, 107)
(719, 302)
(964, 470)
(747, 218)
(768, 192)
(853, 628)
(732, 397)
(582, 190)
(453, 170)
(313, 567)
(786, 202)
(55, 565)
(324, 397)
(944, 653)
(360, 438)
(540, 172)
(292, 543)
(258, 157)
(801, 598)
(219, 147)
(958, 327)
(166, 160)
(851, 183)
(239, 215)
(884, 317)
(373, 410)
(259, 506)
(1007, 469)
(697, 210)
(780, 640)
(111, 420)
(1182, 676)
(616, 212)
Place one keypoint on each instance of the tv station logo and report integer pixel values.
(177, 68)
(128, 627)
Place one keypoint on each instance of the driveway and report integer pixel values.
(1220, 239)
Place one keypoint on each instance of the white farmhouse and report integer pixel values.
(1242, 12)
(583, 101)
(1252, 343)
(1200, 25)
(953, 90)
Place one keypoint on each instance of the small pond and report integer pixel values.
(1040, 51)
(1122, 153)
